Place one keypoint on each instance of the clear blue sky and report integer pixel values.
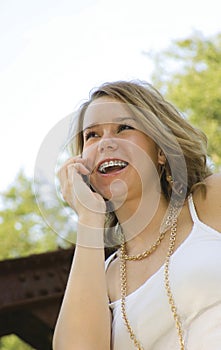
(54, 51)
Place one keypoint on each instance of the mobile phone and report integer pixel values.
(86, 179)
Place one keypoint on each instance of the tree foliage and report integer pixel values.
(12, 342)
(23, 231)
(189, 74)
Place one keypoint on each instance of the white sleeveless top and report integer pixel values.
(195, 278)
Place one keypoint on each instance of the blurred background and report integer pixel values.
(54, 52)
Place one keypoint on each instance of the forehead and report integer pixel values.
(106, 110)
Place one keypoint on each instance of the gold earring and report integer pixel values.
(169, 179)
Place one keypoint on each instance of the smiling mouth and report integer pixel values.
(112, 166)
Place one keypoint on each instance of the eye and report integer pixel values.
(123, 127)
(90, 134)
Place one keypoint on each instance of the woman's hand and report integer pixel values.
(87, 204)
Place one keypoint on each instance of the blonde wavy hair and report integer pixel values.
(184, 146)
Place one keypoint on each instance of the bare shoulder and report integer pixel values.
(214, 181)
(209, 207)
(213, 195)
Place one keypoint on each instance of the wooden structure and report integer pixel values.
(32, 289)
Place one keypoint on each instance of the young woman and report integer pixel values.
(140, 182)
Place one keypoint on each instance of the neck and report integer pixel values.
(141, 222)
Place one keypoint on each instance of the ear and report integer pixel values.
(161, 157)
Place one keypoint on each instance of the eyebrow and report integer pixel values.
(118, 120)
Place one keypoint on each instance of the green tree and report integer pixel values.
(23, 230)
(189, 74)
(12, 342)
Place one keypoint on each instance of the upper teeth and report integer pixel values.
(105, 165)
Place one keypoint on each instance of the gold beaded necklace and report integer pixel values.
(123, 276)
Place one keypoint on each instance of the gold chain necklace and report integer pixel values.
(123, 276)
(147, 252)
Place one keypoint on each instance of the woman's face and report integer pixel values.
(122, 158)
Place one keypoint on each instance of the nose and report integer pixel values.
(107, 144)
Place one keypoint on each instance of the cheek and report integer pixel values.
(142, 154)
(98, 186)
(145, 166)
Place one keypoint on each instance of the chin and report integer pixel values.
(116, 193)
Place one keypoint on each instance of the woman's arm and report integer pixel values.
(84, 319)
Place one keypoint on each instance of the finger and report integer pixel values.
(74, 176)
(66, 178)
(72, 160)
(81, 168)
(93, 202)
